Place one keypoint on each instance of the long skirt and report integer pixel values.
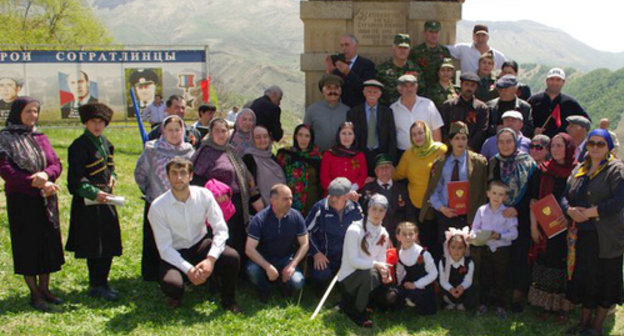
(596, 281)
(36, 243)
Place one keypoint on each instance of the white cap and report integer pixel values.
(556, 72)
(513, 114)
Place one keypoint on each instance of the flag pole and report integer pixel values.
(137, 114)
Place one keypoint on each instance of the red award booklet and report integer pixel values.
(458, 196)
(549, 216)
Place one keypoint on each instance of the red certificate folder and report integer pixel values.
(458, 196)
(549, 216)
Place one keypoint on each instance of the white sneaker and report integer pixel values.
(409, 303)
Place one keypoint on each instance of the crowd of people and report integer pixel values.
(362, 196)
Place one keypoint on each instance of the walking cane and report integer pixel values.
(324, 298)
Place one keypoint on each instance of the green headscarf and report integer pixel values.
(429, 147)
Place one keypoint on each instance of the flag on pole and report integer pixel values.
(205, 86)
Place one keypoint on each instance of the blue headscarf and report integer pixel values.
(603, 133)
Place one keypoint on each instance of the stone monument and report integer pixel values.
(373, 22)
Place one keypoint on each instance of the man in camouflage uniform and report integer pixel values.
(429, 55)
(444, 89)
(389, 72)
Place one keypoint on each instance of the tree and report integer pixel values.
(52, 23)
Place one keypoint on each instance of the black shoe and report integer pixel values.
(104, 293)
(40, 305)
(53, 299)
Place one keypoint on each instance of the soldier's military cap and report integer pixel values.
(402, 40)
(143, 76)
(447, 63)
(382, 159)
(433, 25)
(470, 76)
(373, 82)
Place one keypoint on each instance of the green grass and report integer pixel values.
(141, 311)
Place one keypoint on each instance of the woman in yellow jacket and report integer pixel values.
(415, 166)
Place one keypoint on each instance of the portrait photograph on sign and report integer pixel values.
(75, 89)
(146, 82)
(11, 83)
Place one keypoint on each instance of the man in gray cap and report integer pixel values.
(578, 128)
(551, 107)
(430, 55)
(410, 108)
(513, 120)
(327, 224)
(375, 131)
(507, 87)
(468, 54)
(398, 65)
(469, 110)
(326, 116)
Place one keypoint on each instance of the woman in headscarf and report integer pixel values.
(242, 138)
(415, 166)
(151, 176)
(548, 281)
(302, 164)
(261, 163)
(594, 199)
(538, 148)
(344, 159)
(29, 168)
(215, 159)
(517, 170)
(459, 164)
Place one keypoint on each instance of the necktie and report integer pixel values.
(455, 173)
(386, 186)
(371, 136)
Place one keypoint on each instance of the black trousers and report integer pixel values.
(493, 277)
(225, 271)
(99, 268)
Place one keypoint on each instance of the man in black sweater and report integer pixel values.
(268, 111)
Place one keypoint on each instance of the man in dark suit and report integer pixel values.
(79, 86)
(268, 111)
(400, 209)
(353, 68)
(375, 131)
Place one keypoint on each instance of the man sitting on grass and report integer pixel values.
(178, 218)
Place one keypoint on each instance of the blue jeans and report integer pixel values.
(257, 275)
(326, 274)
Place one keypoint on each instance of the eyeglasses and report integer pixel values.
(599, 144)
(536, 147)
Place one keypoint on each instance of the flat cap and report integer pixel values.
(470, 76)
(339, 186)
(579, 120)
(330, 79)
(506, 81)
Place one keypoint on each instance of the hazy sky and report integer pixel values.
(597, 23)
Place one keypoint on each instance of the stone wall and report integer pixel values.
(373, 22)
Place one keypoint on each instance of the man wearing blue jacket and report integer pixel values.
(327, 224)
